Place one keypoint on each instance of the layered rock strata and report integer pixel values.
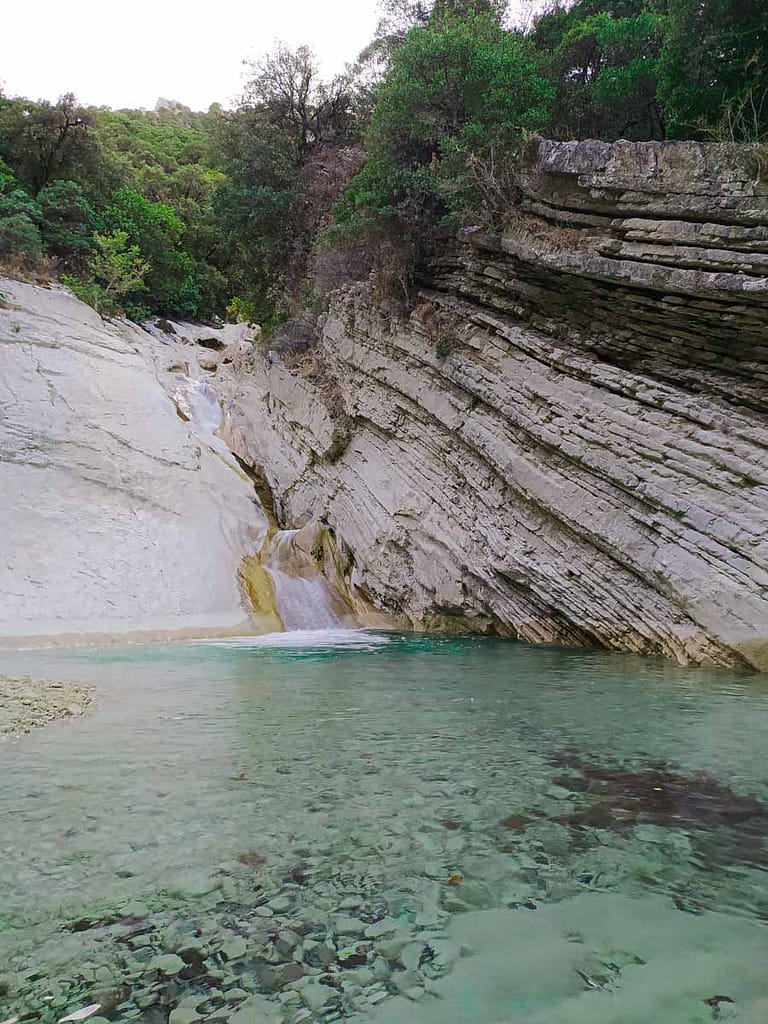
(566, 440)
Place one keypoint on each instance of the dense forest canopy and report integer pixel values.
(258, 211)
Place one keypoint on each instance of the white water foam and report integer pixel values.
(358, 638)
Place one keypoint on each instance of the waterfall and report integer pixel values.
(304, 598)
(200, 404)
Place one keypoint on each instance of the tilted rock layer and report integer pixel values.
(117, 515)
(567, 440)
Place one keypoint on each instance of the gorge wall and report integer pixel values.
(566, 439)
(120, 510)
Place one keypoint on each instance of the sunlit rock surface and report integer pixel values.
(566, 440)
(119, 511)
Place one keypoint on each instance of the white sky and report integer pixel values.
(127, 54)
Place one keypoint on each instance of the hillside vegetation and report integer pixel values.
(256, 213)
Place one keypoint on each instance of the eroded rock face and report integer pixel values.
(116, 514)
(567, 440)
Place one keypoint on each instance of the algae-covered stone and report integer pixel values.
(236, 995)
(387, 926)
(317, 996)
(286, 942)
(235, 949)
(135, 908)
(280, 905)
(344, 925)
(167, 963)
(183, 1015)
(195, 886)
(381, 970)
(192, 949)
(256, 1010)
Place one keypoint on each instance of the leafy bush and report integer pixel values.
(67, 221)
(155, 231)
(117, 270)
(17, 202)
(602, 56)
(7, 178)
(460, 89)
(713, 71)
(240, 310)
(88, 291)
(20, 236)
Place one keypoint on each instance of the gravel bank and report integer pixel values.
(27, 703)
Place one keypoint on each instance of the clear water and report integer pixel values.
(418, 777)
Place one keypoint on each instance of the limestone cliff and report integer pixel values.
(566, 440)
(120, 511)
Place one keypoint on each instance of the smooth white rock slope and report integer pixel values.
(116, 515)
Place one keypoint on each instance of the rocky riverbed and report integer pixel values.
(300, 952)
(314, 834)
(28, 703)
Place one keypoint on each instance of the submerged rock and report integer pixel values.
(168, 964)
(256, 1010)
(656, 794)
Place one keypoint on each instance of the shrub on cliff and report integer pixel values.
(21, 243)
(156, 230)
(116, 275)
(20, 236)
(16, 201)
(461, 92)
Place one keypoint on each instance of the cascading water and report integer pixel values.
(200, 403)
(304, 598)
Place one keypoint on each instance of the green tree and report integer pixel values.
(288, 92)
(156, 230)
(286, 156)
(714, 69)
(602, 56)
(259, 208)
(45, 141)
(169, 157)
(459, 96)
(117, 266)
(17, 201)
(67, 221)
(7, 177)
(20, 236)
(117, 273)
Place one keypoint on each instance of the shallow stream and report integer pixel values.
(358, 826)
